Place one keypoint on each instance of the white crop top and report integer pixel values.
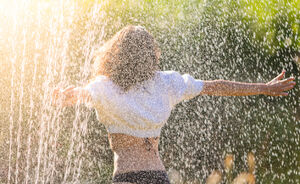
(142, 111)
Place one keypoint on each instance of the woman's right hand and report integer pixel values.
(70, 96)
(64, 97)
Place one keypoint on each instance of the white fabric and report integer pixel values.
(144, 109)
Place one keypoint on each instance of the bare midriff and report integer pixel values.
(134, 153)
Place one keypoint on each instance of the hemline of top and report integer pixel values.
(136, 133)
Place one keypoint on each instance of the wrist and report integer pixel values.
(263, 89)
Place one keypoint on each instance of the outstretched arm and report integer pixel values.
(276, 87)
(70, 96)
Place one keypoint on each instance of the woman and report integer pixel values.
(133, 99)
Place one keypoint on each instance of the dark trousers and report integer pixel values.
(143, 177)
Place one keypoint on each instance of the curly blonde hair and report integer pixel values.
(130, 57)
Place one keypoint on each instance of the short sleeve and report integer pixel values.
(182, 87)
(94, 90)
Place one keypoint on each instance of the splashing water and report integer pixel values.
(44, 44)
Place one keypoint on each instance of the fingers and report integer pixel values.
(288, 80)
(55, 92)
(285, 86)
(280, 76)
(279, 88)
(63, 97)
(55, 96)
(279, 94)
(68, 89)
(283, 94)
(289, 87)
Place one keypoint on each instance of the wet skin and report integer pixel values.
(135, 153)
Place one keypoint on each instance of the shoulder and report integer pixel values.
(168, 73)
(171, 76)
(99, 78)
(173, 81)
(98, 85)
(99, 81)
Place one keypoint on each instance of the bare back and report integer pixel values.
(134, 153)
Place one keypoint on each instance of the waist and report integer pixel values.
(142, 132)
(134, 153)
(122, 143)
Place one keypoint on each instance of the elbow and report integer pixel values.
(221, 88)
(214, 88)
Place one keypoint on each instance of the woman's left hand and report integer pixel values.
(278, 86)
